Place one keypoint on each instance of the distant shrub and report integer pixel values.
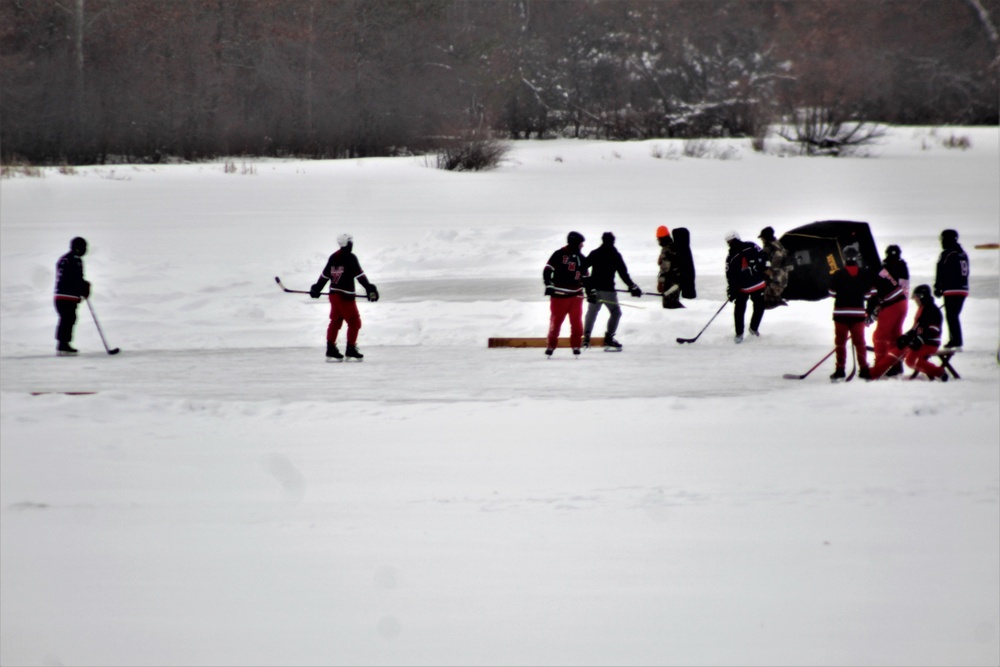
(963, 143)
(472, 155)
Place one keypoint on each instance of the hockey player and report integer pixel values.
(849, 290)
(777, 269)
(745, 281)
(922, 341)
(603, 263)
(341, 270)
(71, 288)
(951, 281)
(887, 307)
(563, 276)
(685, 261)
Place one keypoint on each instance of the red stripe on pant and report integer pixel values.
(343, 310)
(560, 308)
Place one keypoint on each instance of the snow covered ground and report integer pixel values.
(226, 497)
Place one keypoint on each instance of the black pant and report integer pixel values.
(740, 309)
(67, 319)
(953, 308)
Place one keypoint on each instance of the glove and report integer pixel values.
(938, 293)
(635, 291)
(903, 342)
(315, 290)
(916, 342)
(550, 290)
(86, 290)
(372, 293)
(591, 296)
(729, 295)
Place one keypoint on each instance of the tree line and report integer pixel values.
(90, 81)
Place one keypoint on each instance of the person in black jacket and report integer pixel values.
(745, 266)
(563, 276)
(888, 308)
(849, 290)
(685, 261)
(341, 270)
(952, 282)
(71, 288)
(921, 342)
(604, 263)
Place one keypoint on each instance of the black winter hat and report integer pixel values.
(575, 239)
(923, 294)
(949, 236)
(893, 252)
(608, 237)
(767, 233)
(78, 246)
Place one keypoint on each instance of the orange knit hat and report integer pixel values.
(662, 231)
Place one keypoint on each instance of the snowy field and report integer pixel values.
(227, 497)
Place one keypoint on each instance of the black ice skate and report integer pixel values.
(353, 353)
(332, 353)
(611, 345)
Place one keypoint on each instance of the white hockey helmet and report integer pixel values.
(344, 239)
(732, 236)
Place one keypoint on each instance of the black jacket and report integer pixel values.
(70, 284)
(565, 272)
(604, 262)
(685, 261)
(952, 277)
(342, 269)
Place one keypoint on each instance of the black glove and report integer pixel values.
(315, 290)
(635, 291)
(372, 293)
(903, 342)
(938, 293)
(591, 296)
(916, 342)
(550, 290)
(729, 295)
(86, 290)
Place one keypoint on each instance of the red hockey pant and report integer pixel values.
(920, 360)
(888, 330)
(560, 308)
(856, 331)
(343, 310)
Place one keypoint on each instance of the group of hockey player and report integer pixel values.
(758, 276)
(754, 275)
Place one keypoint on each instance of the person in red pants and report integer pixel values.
(341, 270)
(849, 289)
(564, 275)
(922, 341)
(888, 307)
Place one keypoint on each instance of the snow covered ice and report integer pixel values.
(226, 497)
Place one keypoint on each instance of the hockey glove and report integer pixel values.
(372, 293)
(938, 293)
(315, 290)
(903, 342)
(635, 291)
(86, 290)
(916, 342)
(591, 296)
(550, 290)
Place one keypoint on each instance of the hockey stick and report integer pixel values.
(619, 303)
(691, 340)
(644, 293)
(792, 376)
(101, 333)
(300, 291)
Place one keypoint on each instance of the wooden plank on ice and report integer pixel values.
(524, 342)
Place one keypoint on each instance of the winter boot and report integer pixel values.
(332, 353)
(352, 353)
(611, 345)
(838, 375)
(738, 338)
